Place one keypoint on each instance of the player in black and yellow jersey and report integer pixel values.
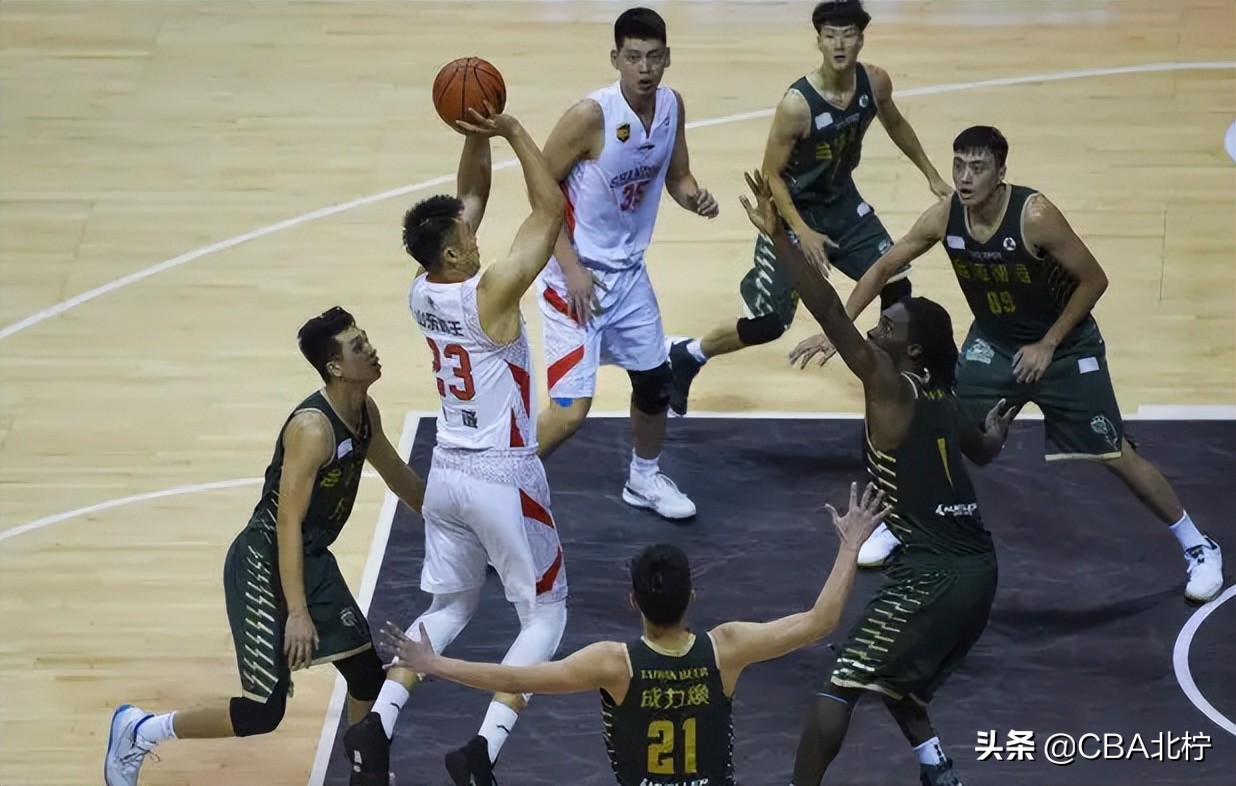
(937, 597)
(1031, 284)
(287, 602)
(814, 146)
(666, 696)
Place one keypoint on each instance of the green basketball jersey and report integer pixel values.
(334, 488)
(674, 726)
(1016, 296)
(935, 510)
(821, 166)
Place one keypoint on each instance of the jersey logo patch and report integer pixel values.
(1010, 244)
(623, 132)
(955, 241)
(863, 101)
(823, 121)
(1100, 425)
(980, 352)
(344, 448)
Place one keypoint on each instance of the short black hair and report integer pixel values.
(840, 13)
(317, 338)
(426, 227)
(931, 328)
(661, 581)
(983, 138)
(642, 24)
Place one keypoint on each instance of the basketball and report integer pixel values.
(467, 83)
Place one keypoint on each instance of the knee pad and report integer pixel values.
(760, 330)
(650, 390)
(894, 292)
(363, 673)
(250, 718)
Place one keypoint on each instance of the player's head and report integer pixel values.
(839, 26)
(661, 584)
(921, 331)
(437, 236)
(338, 349)
(641, 51)
(979, 154)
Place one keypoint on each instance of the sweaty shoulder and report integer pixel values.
(935, 218)
(309, 431)
(1039, 217)
(575, 136)
(881, 82)
(794, 110)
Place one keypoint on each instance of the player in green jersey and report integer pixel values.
(666, 696)
(813, 148)
(287, 602)
(937, 597)
(1031, 283)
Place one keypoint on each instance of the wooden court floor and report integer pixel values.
(140, 133)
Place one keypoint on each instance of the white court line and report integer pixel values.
(176, 491)
(1180, 662)
(369, 582)
(1147, 412)
(223, 245)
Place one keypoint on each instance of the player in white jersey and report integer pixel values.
(613, 152)
(487, 500)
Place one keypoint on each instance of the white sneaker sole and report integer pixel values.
(636, 501)
(112, 737)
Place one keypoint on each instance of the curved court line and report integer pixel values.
(175, 491)
(1180, 662)
(223, 245)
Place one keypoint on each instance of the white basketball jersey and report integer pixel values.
(612, 200)
(485, 387)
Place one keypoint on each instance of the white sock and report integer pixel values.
(158, 729)
(697, 350)
(644, 468)
(390, 701)
(930, 752)
(496, 727)
(1186, 532)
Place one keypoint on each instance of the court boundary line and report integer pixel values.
(368, 585)
(331, 210)
(1180, 662)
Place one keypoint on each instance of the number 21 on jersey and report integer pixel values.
(461, 386)
(665, 741)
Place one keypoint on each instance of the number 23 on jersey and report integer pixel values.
(460, 383)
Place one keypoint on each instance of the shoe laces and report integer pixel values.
(1196, 555)
(132, 760)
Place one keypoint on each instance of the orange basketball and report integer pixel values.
(467, 83)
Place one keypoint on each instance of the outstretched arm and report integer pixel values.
(901, 132)
(601, 665)
(397, 475)
(739, 644)
(679, 181)
(926, 232)
(504, 283)
(474, 177)
(868, 363)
